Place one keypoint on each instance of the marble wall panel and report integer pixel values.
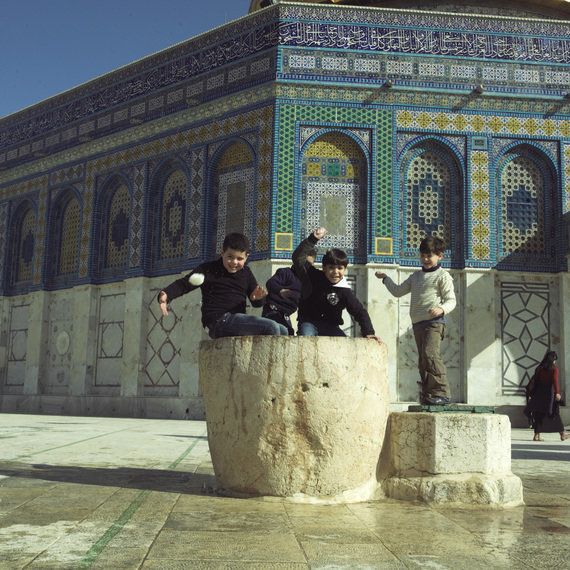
(110, 330)
(17, 345)
(58, 356)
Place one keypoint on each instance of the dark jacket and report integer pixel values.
(321, 301)
(222, 291)
(284, 278)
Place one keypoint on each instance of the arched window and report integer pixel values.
(70, 234)
(65, 237)
(333, 192)
(432, 187)
(233, 184)
(167, 217)
(117, 217)
(173, 216)
(22, 253)
(526, 183)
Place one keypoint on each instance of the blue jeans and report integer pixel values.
(321, 329)
(239, 324)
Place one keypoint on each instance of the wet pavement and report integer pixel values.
(82, 492)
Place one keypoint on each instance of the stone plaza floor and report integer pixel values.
(85, 492)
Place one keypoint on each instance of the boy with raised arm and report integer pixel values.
(325, 294)
(226, 284)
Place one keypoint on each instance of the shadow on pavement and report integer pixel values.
(539, 451)
(124, 477)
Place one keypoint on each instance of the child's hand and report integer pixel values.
(320, 233)
(380, 275)
(258, 293)
(373, 337)
(163, 303)
(558, 397)
(436, 312)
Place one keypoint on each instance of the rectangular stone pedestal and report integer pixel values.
(451, 458)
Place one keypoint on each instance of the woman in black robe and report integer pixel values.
(544, 399)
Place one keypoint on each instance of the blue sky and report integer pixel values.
(49, 46)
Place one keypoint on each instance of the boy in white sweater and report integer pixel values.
(432, 298)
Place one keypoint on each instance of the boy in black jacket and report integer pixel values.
(284, 293)
(325, 294)
(226, 283)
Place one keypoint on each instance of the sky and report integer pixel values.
(50, 46)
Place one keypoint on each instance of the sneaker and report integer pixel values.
(437, 401)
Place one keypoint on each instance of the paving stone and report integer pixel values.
(227, 546)
(129, 506)
(323, 554)
(232, 521)
(217, 565)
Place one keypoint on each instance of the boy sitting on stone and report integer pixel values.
(325, 294)
(284, 293)
(432, 298)
(226, 284)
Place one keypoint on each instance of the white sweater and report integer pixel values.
(429, 289)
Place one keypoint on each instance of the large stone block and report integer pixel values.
(451, 458)
(295, 417)
(428, 443)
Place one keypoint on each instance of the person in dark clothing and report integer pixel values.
(226, 284)
(284, 293)
(325, 294)
(544, 397)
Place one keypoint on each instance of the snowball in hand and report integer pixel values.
(196, 279)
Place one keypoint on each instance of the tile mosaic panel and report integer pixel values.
(117, 218)
(40, 235)
(334, 191)
(522, 211)
(156, 142)
(67, 175)
(25, 246)
(4, 238)
(234, 185)
(110, 337)
(137, 212)
(173, 216)
(406, 38)
(480, 206)
(86, 229)
(198, 169)
(525, 322)
(422, 20)
(421, 97)
(566, 174)
(527, 217)
(162, 360)
(17, 345)
(338, 208)
(69, 237)
(470, 123)
(235, 211)
(431, 190)
(324, 66)
(297, 117)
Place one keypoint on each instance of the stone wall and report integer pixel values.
(107, 350)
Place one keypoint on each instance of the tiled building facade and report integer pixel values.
(380, 124)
